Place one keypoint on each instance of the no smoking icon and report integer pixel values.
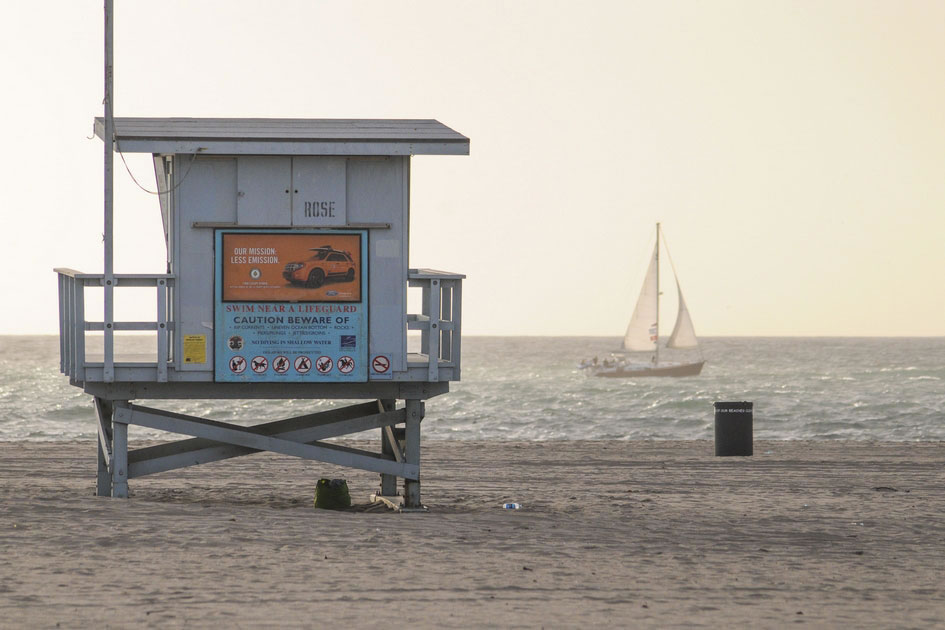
(380, 364)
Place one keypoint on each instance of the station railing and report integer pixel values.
(440, 320)
(439, 323)
(73, 324)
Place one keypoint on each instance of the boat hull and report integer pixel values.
(676, 369)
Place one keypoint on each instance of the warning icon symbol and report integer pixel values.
(303, 364)
(237, 365)
(324, 364)
(345, 365)
(380, 364)
(280, 364)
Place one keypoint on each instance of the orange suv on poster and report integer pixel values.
(325, 263)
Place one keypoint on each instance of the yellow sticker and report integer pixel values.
(195, 348)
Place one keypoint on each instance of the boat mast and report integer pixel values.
(656, 357)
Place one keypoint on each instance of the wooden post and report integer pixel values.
(120, 458)
(412, 452)
(103, 409)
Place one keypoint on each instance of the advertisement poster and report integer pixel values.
(290, 306)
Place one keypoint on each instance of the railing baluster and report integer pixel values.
(434, 331)
(425, 310)
(162, 331)
(446, 315)
(79, 327)
(70, 329)
(457, 327)
(108, 369)
(62, 324)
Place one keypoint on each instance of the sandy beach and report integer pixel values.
(627, 534)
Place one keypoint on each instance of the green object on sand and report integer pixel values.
(332, 494)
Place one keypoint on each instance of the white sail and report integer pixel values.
(684, 333)
(643, 329)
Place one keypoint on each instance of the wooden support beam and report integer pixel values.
(103, 413)
(388, 482)
(241, 436)
(308, 420)
(307, 429)
(393, 443)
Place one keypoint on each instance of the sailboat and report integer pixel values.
(643, 333)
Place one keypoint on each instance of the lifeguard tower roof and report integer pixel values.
(285, 136)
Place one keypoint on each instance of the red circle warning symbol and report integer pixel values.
(323, 365)
(345, 364)
(260, 364)
(303, 364)
(280, 365)
(380, 364)
(237, 365)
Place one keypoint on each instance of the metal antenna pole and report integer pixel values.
(108, 235)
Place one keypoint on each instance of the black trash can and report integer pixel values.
(733, 428)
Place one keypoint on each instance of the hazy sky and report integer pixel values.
(794, 151)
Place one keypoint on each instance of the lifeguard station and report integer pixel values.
(287, 277)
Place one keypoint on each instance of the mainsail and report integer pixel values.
(643, 329)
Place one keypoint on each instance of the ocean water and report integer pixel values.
(529, 388)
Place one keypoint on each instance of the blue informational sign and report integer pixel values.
(291, 306)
